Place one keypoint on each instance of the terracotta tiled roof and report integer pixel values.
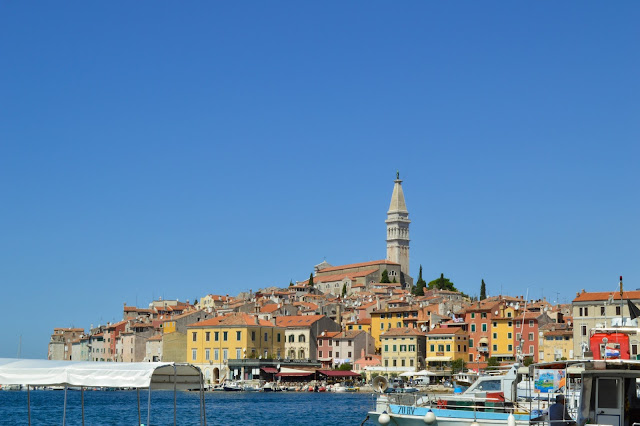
(403, 331)
(270, 307)
(411, 308)
(366, 321)
(445, 330)
(297, 320)
(232, 319)
(604, 295)
(359, 265)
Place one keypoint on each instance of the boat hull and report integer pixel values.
(404, 415)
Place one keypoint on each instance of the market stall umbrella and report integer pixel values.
(424, 373)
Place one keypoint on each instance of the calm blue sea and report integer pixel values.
(223, 408)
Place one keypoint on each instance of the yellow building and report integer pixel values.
(557, 343)
(502, 333)
(211, 343)
(364, 324)
(383, 321)
(446, 344)
(402, 350)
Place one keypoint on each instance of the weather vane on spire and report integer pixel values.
(397, 174)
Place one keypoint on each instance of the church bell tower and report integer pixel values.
(398, 228)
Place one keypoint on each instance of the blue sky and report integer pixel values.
(158, 149)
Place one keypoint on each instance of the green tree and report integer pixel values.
(528, 360)
(483, 291)
(493, 362)
(345, 367)
(385, 277)
(311, 279)
(457, 365)
(344, 289)
(394, 280)
(418, 290)
(441, 283)
(290, 283)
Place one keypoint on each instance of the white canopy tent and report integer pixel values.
(136, 375)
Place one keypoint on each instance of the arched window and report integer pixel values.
(301, 338)
(292, 354)
(302, 354)
(291, 338)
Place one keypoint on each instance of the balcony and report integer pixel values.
(483, 349)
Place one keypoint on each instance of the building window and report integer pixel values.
(495, 324)
(224, 335)
(207, 354)
(215, 335)
(238, 353)
(253, 336)
(194, 354)
(394, 348)
(349, 343)
(510, 324)
(586, 311)
(531, 323)
(330, 354)
(473, 328)
(293, 339)
(602, 311)
(509, 314)
(319, 354)
(509, 347)
(495, 335)
(483, 315)
(473, 315)
(238, 335)
(348, 354)
(484, 327)
(386, 348)
(381, 326)
(509, 335)
(495, 347)
(583, 330)
(215, 355)
(301, 338)
(470, 343)
(394, 363)
(266, 337)
(530, 337)
(278, 337)
(440, 348)
(432, 348)
(617, 310)
(448, 348)
(531, 349)
(207, 336)
(194, 336)
(398, 324)
(517, 336)
(386, 362)
(411, 362)
(225, 354)
(337, 354)
(402, 362)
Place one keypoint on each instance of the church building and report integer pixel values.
(332, 279)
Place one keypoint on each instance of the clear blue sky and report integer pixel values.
(161, 149)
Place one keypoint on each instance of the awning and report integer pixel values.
(338, 373)
(269, 370)
(42, 372)
(484, 340)
(294, 374)
(438, 358)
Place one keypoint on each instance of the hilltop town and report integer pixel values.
(367, 317)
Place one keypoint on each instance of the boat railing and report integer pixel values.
(458, 402)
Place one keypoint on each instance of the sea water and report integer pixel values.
(222, 408)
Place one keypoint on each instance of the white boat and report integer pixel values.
(231, 387)
(490, 400)
(608, 394)
(271, 387)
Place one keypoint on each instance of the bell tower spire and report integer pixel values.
(398, 228)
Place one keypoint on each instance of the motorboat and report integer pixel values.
(232, 387)
(271, 387)
(607, 393)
